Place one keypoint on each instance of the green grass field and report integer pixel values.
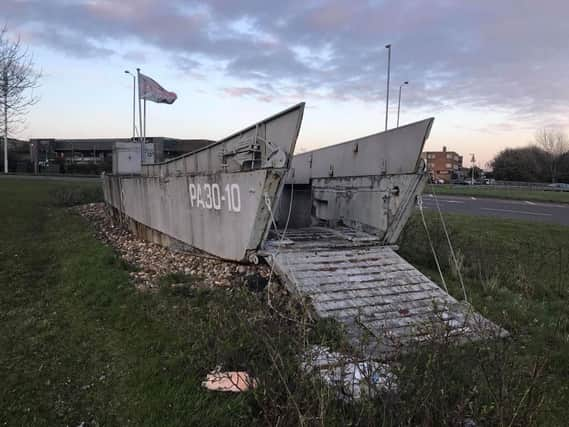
(79, 344)
(499, 193)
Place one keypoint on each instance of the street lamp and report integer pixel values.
(399, 102)
(388, 47)
(133, 103)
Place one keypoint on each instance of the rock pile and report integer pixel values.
(153, 261)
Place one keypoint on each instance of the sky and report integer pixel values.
(490, 72)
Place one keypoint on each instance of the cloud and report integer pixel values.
(248, 92)
(135, 56)
(69, 42)
(509, 55)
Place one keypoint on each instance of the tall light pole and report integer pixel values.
(388, 47)
(133, 103)
(399, 102)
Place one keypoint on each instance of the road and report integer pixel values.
(554, 213)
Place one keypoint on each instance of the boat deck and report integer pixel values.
(383, 302)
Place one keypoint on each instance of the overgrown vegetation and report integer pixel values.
(79, 344)
(516, 274)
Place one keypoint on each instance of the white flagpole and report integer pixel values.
(144, 138)
(139, 105)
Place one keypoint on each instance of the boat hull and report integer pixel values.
(224, 214)
(218, 199)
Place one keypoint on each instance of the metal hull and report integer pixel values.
(220, 199)
(228, 230)
(368, 184)
(217, 199)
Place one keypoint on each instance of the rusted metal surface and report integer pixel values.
(369, 289)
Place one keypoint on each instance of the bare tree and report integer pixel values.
(18, 79)
(555, 143)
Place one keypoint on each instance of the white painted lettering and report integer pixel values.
(192, 194)
(207, 191)
(199, 197)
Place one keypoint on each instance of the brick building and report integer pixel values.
(445, 165)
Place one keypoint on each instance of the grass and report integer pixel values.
(516, 273)
(79, 344)
(500, 193)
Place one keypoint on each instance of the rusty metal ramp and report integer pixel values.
(383, 302)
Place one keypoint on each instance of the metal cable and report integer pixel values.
(420, 205)
(453, 254)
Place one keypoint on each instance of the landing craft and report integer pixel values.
(224, 198)
(336, 213)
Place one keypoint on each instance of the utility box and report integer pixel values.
(127, 158)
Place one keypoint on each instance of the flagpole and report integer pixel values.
(139, 104)
(144, 139)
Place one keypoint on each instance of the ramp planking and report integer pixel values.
(383, 302)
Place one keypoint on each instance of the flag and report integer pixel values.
(150, 89)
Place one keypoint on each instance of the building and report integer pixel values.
(18, 155)
(94, 155)
(444, 165)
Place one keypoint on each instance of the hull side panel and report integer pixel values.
(244, 150)
(396, 151)
(222, 213)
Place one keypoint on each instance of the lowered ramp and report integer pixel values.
(383, 302)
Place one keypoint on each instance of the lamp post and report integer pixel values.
(133, 103)
(388, 47)
(399, 102)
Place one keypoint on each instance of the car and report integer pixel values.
(561, 186)
(437, 181)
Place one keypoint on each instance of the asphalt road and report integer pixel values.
(555, 213)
